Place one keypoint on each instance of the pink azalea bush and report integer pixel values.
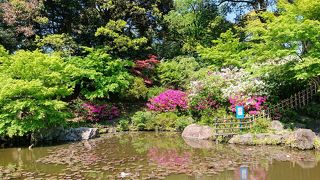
(170, 100)
(97, 113)
(252, 105)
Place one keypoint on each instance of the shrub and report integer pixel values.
(123, 125)
(261, 125)
(155, 91)
(182, 122)
(145, 68)
(165, 121)
(170, 100)
(207, 117)
(177, 72)
(95, 112)
(205, 86)
(138, 89)
(32, 86)
(252, 105)
(143, 120)
(238, 82)
(102, 75)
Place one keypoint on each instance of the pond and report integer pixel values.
(152, 155)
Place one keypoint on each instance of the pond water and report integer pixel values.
(157, 156)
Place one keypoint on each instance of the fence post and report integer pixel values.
(216, 125)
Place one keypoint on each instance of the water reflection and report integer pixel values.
(157, 155)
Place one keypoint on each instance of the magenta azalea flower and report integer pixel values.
(169, 100)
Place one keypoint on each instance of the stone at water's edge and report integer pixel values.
(195, 131)
(302, 139)
(61, 134)
(276, 125)
(78, 134)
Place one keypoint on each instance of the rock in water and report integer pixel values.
(276, 125)
(195, 131)
(302, 139)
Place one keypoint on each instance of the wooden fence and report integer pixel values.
(296, 101)
(232, 126)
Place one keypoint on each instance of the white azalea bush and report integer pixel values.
(240, 82)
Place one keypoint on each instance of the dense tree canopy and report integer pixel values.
(57, 54)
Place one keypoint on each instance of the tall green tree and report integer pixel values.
(192, 22)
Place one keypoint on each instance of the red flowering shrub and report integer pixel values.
(97, 113)
(144, 68)
(170, 100)
(252, 105)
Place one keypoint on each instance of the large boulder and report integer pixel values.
(61, 134)
(199, 132)
(302, 139)
(78, 134)
(276, 125)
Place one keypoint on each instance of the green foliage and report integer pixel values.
(208, 117)
(177, 72)
(193, 22)
(123, 125)
(62, 43)
(120, 42)
(32, 86)
(102, 75)
(143, 120)
(182, 122)
(205, 85)
(260, 125)
(227, 50)
(138, 89)
(166, 121)
(155, 91)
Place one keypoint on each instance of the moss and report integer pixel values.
(316, 143)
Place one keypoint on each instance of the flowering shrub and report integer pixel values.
(144, 68)
(97, 113)
(238, 81)
(170, 100)
(203, 103)
(252, 105)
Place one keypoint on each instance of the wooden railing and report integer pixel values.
(232, 126)
(296, 101)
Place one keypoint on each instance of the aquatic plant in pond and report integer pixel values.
(252, 105)
(95, 112)
(170, 100)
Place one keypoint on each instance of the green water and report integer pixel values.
(157, 156)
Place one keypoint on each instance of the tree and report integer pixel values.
(18, 22)
(192, 22)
